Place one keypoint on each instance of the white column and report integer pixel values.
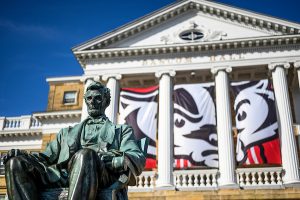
(297, 67)
(165, 130)
(224, 127)
(114, 86)
(290, 163)
(86, 81)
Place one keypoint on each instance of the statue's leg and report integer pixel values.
(20, 182)
(83, 175)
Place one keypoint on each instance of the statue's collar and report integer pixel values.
(107, 131)
(99, 120)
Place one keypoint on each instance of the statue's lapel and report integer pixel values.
(107, 132)
(73, 137)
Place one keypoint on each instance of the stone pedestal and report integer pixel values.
(62, 194)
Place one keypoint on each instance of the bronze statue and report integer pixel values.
(94, 154)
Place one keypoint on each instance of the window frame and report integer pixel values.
(192, 32)
(75, 97)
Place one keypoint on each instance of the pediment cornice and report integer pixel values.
(222, 45)
(223, 12)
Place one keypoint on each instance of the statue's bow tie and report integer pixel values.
(96, 121)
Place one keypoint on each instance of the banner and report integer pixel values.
(138, 108)
(256, 123)
(195, 136)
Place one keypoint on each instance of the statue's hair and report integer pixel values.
(100, 87)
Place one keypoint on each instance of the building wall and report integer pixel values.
(56, 95)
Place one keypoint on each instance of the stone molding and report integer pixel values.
(273, 41)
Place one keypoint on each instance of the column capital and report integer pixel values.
(171, 73)
(107, 76)
(215, 70)
(272, 66)
(84, 79)
(297, 64)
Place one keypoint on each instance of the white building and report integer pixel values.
(189, 41)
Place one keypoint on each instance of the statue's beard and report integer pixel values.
(94, 112)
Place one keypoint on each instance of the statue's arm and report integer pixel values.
(13, 153)
(49, 156)
(51, 153)
(132, 151)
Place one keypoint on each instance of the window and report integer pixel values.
(191, 35)
(70, 97)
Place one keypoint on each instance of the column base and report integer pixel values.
(292, 183)
(230, 185)
(165, 187)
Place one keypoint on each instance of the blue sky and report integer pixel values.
(36, 38)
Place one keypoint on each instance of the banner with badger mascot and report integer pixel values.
(138, 108)
(195, 136)
(256, 123)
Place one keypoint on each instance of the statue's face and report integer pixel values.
(94, 100)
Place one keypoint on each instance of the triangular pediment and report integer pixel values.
(189, 28)
(188, 21)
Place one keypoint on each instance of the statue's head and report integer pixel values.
(97, 99)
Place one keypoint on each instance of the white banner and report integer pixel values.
(195, 136)
(256, 123)
(138, 108)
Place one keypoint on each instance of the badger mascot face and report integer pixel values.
(256, 120)
(195, 137)
(138, 108)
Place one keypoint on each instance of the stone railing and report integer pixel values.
(22, 122)
(145, 182)
(260, 178)
(12, 123)
(196, 179)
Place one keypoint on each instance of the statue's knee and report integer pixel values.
(14, 164)
(87, 153)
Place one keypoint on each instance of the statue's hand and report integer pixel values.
(13, 153)
(107, 159)
(114, 163)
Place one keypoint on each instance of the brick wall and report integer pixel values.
(56, 95)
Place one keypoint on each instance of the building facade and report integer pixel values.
(189, 42)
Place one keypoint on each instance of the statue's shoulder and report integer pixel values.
(70, 129)
(124, 128)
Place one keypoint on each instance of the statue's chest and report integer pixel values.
(94, 136)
